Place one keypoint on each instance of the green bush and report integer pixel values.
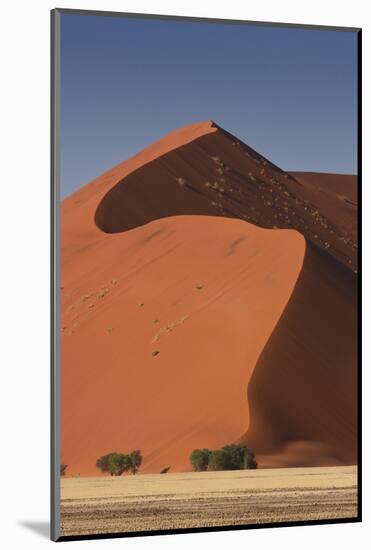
(249, 460)
(218, 460)
(118, 463)
(240, 457)
(230, 457)
(199, 459)
(102, 463)
(135, 458)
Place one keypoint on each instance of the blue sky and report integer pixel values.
(289, 93)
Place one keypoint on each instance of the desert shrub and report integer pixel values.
(118, 463)
(240, 457)
(199, 459)
(249, 460)
(135, 461)
(63, 469)
(102, 463)
(230, 457)
(218, 460)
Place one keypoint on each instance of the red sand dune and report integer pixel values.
(139, 295)
(136, 243)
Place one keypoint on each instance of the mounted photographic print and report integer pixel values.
(205, 370)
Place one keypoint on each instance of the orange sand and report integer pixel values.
(142, 296)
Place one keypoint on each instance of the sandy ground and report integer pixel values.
(190, 500)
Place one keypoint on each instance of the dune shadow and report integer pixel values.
(304, 385)
(173, 185)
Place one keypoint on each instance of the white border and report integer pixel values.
(25, 260)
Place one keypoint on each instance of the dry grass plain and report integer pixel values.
(190, 500)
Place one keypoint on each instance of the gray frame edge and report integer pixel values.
(199, 19)
(54, 282)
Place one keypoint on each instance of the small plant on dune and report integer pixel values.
(63, 469)
(250, 174)
(165, 470)
(155, 352)
(199, 286)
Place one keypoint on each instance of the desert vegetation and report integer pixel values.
(117, 463)
(230, 457)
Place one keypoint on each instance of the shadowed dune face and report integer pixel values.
(337, 195)
(218, 175)
(341, 186)
(170, 306)
(302, 395)
(161, 336)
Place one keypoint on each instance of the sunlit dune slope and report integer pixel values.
(162, 327)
